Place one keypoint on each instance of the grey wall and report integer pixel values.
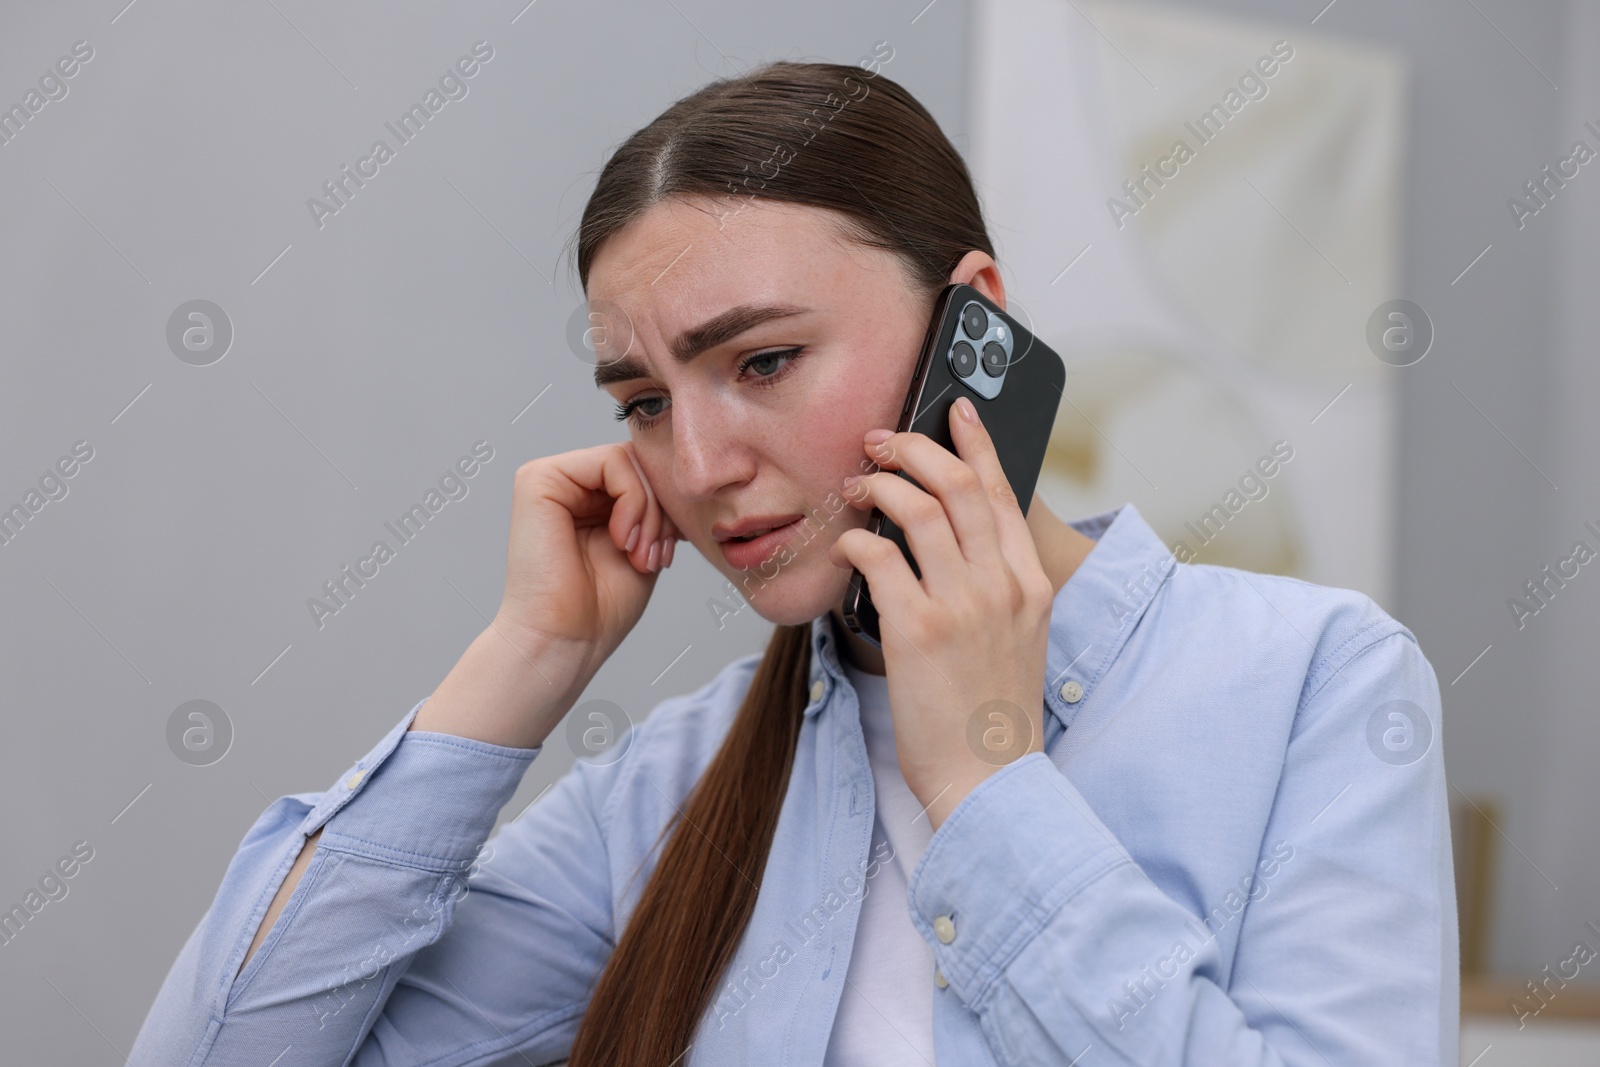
(1567, 672)
(421, 318)
(431, 310)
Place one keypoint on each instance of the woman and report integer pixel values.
(1085, 805)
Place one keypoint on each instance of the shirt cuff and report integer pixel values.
(420, 798)
(1015, 849)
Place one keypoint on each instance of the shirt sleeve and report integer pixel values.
(402, 830)
(1060, 943)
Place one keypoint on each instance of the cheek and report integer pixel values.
(852, 405)
(830, 449)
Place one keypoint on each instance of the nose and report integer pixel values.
(707, 453)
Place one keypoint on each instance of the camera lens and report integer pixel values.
(966, 359)
(994, 359)
(974, 320)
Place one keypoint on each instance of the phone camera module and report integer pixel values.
(994, 359)
(965, 358)
(974, 320)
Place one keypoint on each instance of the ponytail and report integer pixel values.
(689, 920)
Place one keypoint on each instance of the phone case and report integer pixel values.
(1018, 408)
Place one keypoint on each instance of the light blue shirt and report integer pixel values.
(1234, 850)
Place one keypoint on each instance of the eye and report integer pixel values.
(792, 354)
(626, 411)
(643, 420)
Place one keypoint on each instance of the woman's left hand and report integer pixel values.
(964, 648)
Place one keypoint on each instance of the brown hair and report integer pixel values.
(824, 135)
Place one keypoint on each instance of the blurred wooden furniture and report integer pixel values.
(1494, 996)
(1475, 840)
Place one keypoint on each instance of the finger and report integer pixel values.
(977, 448)
(958, 487)
(921, 517)
(606, 481)
(669, 539)
(646, 553)
(895, 590)
(598, 486)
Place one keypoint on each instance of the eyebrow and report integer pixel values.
(709, 334)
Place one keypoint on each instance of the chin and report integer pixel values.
(796, 595)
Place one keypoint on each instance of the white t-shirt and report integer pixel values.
(885, 1016)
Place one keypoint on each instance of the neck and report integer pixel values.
(1061, 550)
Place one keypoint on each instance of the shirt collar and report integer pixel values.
(1096, 610)
(1093, 614)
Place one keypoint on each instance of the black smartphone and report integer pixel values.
(972, 349)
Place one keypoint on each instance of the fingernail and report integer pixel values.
(633, 538)
(650, 560)
(968, 411)
(672, 547)
(852, 480)
(876, 437)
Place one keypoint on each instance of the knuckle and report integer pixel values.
(880, 548)
(1002, 595)
(935, 627)
(527, 473)
(925, 510)
(1041, 595)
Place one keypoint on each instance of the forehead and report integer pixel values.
(688, 258)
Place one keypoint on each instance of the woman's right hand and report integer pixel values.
(574, 588)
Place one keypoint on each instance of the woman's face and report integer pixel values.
(766, 419)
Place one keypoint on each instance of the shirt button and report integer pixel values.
(355, 779)
(939, 979)
(817, 689)
(945, 929)
(1071, 691)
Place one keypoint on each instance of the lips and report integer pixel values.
(744, 555)
(751, 524)
(753, 536)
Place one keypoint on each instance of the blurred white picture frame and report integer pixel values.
(1211, 303)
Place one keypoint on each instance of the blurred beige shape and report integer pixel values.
(1230, 311)
(1122, 400)
(1281, 234)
